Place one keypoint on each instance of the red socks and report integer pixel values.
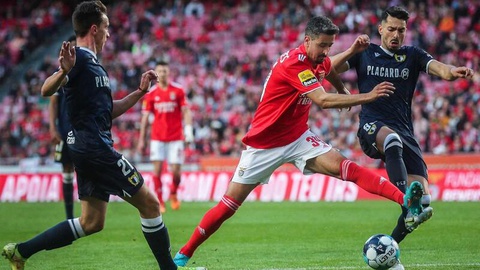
(369, 181)
(211, 221)
(175, 184)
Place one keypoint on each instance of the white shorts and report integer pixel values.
(257, 165)
(170, 151)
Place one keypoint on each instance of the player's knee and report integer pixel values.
(151, 208)
(426, 199)
(392, 140)
(92, 226)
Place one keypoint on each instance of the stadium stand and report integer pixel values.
(221, 52)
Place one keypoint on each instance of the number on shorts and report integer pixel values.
(123, 163)
(314, 140)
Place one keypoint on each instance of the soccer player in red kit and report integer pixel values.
(280, 134)
(167, 103)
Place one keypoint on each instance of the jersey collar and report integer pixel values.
(387, 51)
(90, 51)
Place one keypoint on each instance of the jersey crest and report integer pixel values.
(400, 58)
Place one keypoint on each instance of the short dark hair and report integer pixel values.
(320, 25)
(396, 12)
(162, 63)
(86, 14)
(72, 38)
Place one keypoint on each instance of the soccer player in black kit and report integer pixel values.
(386, 128)
(101, 171)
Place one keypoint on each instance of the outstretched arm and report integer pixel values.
(66, 61)
(326, 100)
(449, 72)
(122, 105)
(339, 61)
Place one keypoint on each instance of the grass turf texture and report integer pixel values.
(325, 235)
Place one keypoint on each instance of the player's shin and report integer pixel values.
(211, 221)
(158, 240)
(369, 181)
(62, 234)
(396, 170)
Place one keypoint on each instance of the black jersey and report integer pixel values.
(89, 105)
(402, 68)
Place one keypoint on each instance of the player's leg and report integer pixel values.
(255, 167)
(154, 230)
(176, 179)
(67, 188)
(333, 163)
(175, 160)
(417, 171)
(62, 156)
(214, 218)
(157, 157)
(60, 235)
(378, 141)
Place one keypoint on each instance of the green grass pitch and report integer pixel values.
(287, 235)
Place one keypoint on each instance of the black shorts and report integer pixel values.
(105, 174)
(412, 154)
(61, 153)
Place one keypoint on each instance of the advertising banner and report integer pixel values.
(445, 185)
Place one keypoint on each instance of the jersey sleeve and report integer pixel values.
(301, 77)
(423, 58)
(353, 61)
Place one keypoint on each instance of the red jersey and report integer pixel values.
(282, 113)
(166, 106)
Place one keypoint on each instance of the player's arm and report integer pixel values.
(66, 61)
(143, 131)
(327, 100)
(339, 61)
(449, 72)
(188, 124)
(122, 105)
(53, 83)
(337, 82)
(52, 118)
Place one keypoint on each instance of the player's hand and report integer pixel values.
(462, 72)
(55, 137)
(67, 57)
(383, 89)
(146, 80)
(361, 43)
(188, 131)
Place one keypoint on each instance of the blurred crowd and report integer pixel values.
(221, 52)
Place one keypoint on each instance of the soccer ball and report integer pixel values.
(381, 251)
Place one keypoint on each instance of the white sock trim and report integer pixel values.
(391, 137)
(426, 199)
(150, 225)
(67, 178)
(76, 228)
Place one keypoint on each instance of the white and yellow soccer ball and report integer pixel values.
(381, 251)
